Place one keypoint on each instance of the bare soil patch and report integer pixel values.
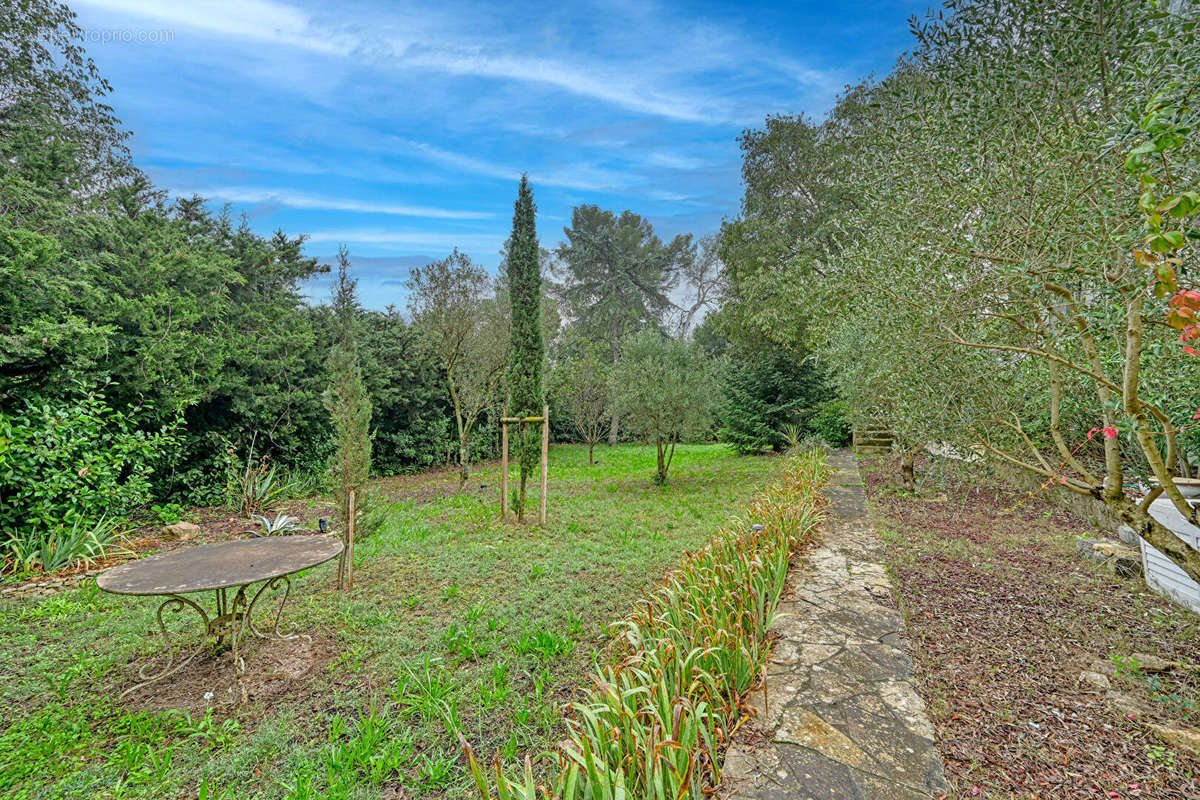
(275, 669)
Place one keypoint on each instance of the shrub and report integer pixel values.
(761, 394)
(832, 423)
(66, 465)
(656, 720)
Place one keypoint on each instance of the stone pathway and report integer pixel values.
(842, 717)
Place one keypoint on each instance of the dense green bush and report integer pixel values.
(412, 424)
(764, 393)
(68, 464)
(832, 422)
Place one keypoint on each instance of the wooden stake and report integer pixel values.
(349, 551)
(545, 460)
(504, 470)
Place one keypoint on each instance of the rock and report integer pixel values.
(1103, 667)
(1126, 535)
(1186, 740)
(1152, 663)
(1096, 680)
(181, 531)
(1105, 549)
(1116, 557)
(1126, 703)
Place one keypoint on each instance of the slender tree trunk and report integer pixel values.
(908, 474)
(521, 497)
(591, 447)
(616, 353)
(661, 478)
(464, 463)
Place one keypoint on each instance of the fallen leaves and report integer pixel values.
(1003, 619)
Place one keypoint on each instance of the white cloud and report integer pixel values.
(625, 90)
(261, 20)
(675, 161)
(650, 68)
(417, 240)
(582, 177)
(294, 199)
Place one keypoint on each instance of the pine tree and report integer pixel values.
(346, 398)
(526, 395)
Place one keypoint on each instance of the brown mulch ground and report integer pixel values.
(1003, 618)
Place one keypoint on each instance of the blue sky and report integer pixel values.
(401, 129)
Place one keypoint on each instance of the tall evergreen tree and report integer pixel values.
(346, 398)
(617, 275)
(526, 395)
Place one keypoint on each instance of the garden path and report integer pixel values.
(840, 717)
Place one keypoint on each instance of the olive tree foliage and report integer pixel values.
(666, 391)
(1017, 198)
(451, 302)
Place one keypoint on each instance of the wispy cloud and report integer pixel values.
(259, 20)
(675, 161)
(294, 199)
(584, 177)
(625, 90)
(435, 241)
(651, 75)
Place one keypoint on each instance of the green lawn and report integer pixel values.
(456, 621)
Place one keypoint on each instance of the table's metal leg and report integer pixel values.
(234, 618)
(273, 632)
(174, 663)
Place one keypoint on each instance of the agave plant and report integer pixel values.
(258, 487)
(270, 527)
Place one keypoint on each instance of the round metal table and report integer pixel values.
(219, 568)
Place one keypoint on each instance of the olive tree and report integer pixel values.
(1005, 267)
(667, 391)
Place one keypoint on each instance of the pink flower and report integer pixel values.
(1110, 433)
(1093, 431)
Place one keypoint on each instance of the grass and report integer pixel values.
(654, 722)
(457, 622)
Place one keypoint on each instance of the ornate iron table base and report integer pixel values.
(232, 621)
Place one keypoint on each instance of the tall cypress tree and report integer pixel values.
(526, 395)
(346, 398)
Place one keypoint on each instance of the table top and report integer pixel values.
(219, 566)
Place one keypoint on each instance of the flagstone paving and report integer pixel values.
(840, 717)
